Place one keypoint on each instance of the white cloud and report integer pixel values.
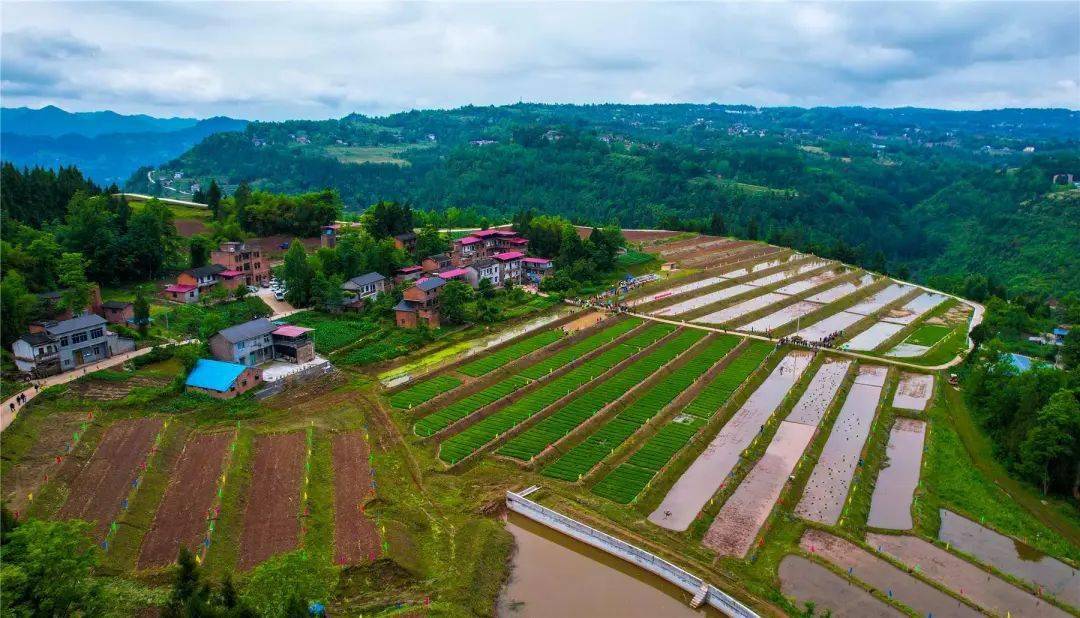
(284, 60)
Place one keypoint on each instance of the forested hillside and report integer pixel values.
(920, 193)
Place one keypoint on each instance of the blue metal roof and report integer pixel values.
(1061, 332)
(214, 374)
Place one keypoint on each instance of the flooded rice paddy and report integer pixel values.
(705, 299)
(811, 282)
(827, 489)
(890, 505)
(1011, 556)
(555, 575)
(908, 350)
(879, 574)
(779, 318)
(837, 292)
(914, 391)
(916, 307)
(733, 531)
(832, 324)
(990, 593)
(872, 337)
(747, 306)
(712, 468)
(679, 289)
(807, 581)
(877, 301)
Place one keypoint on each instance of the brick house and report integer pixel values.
(406, 241)
(437, 262)
(239, 257)
(221, 379)
(485, 244)
(182, 293)
(260, 340)
(117, 312)
(420, 303)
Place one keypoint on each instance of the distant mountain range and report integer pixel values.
(106, 146)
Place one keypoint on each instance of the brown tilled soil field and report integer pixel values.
(355, 536)
(181, 517)
(105, 480)
(28, 475)
(647, 235)
(105, 390)
(189, 227)
(271, 516)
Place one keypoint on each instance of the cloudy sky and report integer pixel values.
(288, 60)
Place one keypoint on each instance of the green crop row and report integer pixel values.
(424, 391)
(472, 439)
(510, 353)
(629, 479)
(579, 349)
(582, 408)
(580, 459)
(458, 410)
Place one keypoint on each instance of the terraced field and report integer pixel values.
(434, 423)
(423, 392)
(580, 459)
(491, 362)
(628, 480)
(477, 436)
(553, 428)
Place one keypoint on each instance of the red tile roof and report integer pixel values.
(180, 288)
(508, 255)
(532, 260)
(518, 241)
(289, 330)
(485, 233)
(468, 240)
(452, 273)
(410, 269)
(229, 274)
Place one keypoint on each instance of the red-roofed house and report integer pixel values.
(536, 268)
(408, 273)
(510, 270)
(182, 293)
(485, 244)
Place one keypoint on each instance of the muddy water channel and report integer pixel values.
(554, 575)
(1011, 556)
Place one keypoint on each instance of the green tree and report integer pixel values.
(72, 271)
(16, 307)
(47, 570)
(453, 301)
(213, 199)
(716, 224)
(298, 275)
(198, 251)
(1070, 349)
(1051, 450)
(141, 309)
(485, 289)
(429, 241)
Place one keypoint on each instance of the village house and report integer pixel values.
(484, 269)
(536, 269)
(420, 303)
(260, 340)
(433, 263)
(249, 262)
(51, 304)
(221, 379)
(484, 244)
(510, 270)
(56, 346)
(203, 277)
(329, 235)
(406, 241)
(363, 287)
(118, 312)
(182, 293)
(408, 273)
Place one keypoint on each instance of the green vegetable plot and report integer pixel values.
(582, 408)
(424, 391)
(472, 439)
(579, 349)
(510, 353)
(626, 482)
(463, 407)
(580, 459)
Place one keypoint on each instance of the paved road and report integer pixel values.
(7, 414)
(280, 308)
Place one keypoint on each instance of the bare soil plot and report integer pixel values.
(834, 323)
(878, 573)
(107, 390)
(712, 468)
(590, 318)
(807, 581)
(779, 318)
(738, 522)
(646, 235)
(988, 592)
(189, 227)
(753, 268)
(355, 537)
(705, 299)
(914, 391)
(719, 253)
(98, 492)
(747, 306)
(708, 243)
(890, 505)
(877, 301)
(915, 308)
(182, 516)
(871, 338)
(840, 291)
(1010, 556)
(725, 259)
(271, 515)
(826, 490)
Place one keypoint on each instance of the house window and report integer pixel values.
(79, 338)
(97, 333)
(240, 345)
(63, 342)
